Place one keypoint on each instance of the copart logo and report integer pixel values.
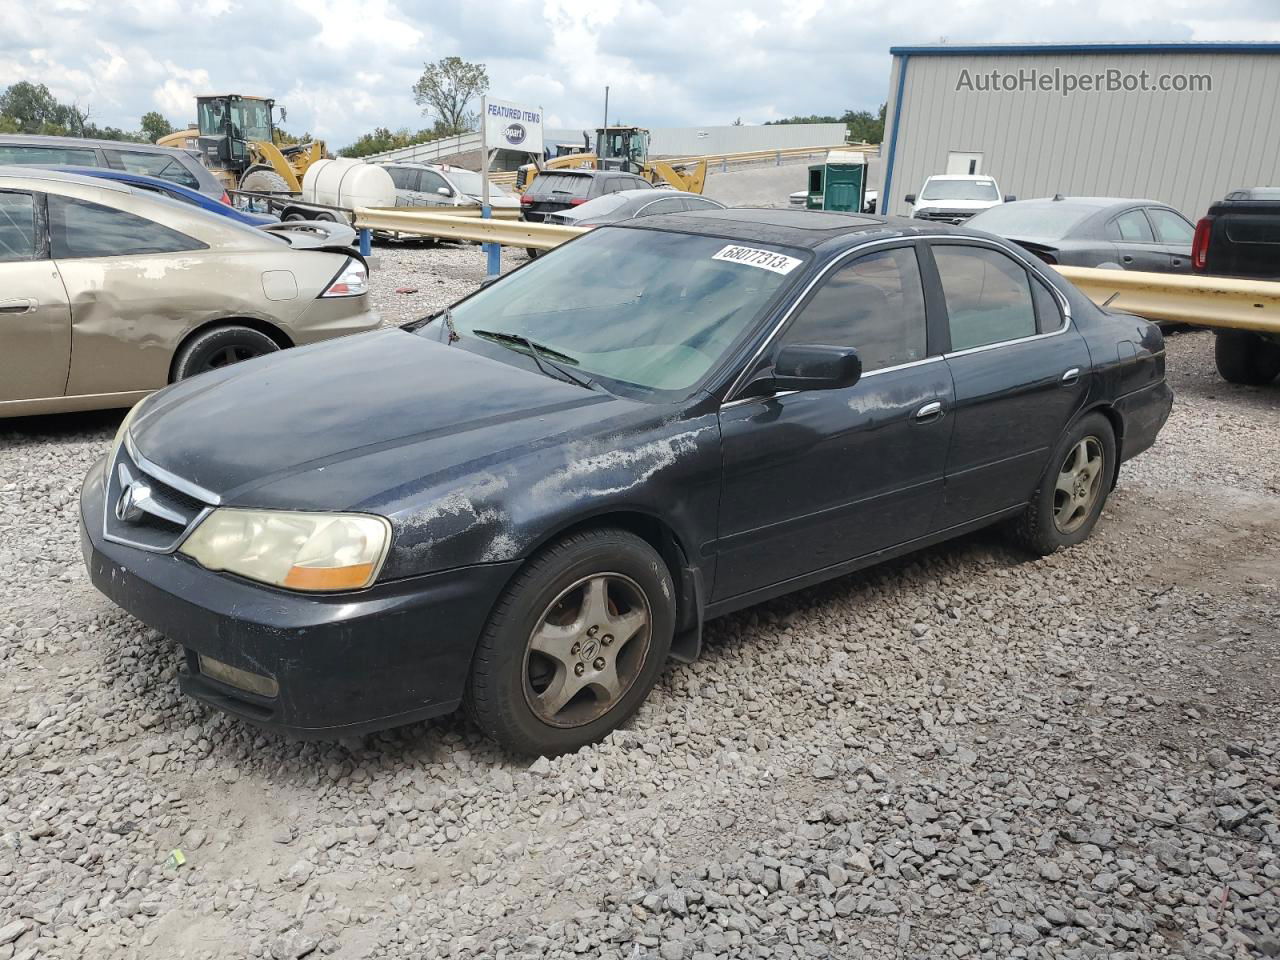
(515, 134)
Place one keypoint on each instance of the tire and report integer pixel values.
(570, 595)
(1067, 504)
(532, 252)
(263, 180)
(1246, 358)
(294, 217)
(218, 347)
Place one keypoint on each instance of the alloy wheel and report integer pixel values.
(1078, 486)
(233, 353)
(587, 649)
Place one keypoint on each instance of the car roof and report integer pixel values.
(572, 172)
(960, 176)
(796, 228)
(1253, 193)
(125, 176)
(1098, 202)
(41, 140)
(16, 172)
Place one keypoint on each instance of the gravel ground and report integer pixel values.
(963, 753)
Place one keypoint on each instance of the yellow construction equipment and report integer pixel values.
(626, 149)
(235, 135)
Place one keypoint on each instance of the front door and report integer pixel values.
(1020, 373)
(815, 478)
(35, 318)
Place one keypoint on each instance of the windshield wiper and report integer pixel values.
(539, 352)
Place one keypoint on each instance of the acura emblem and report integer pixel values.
(135, 493)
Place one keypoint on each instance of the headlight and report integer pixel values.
(123, 429)
(298, 551)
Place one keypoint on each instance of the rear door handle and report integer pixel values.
(1071, 376)
(17, 306)
(929, 412)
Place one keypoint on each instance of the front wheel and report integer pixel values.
(574, 644)
(1067, 505)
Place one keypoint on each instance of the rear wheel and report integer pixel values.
(220, 347)
(574, 644)
(1246, 358)
(1067, 505)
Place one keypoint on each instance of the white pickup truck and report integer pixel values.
(955, 198)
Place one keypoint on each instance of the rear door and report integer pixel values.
(1136, 242)
(35, 320)
(1021, 372)
(1174, 233)
(815, 478)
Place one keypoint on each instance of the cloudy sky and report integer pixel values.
(342, 67)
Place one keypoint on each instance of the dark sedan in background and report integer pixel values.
(528, 502)
(1093, 231)
(629, 204)
(558, 190)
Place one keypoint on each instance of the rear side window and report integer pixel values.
(1170, 227)
(403, 178)
(1131, 227)
(988, 296)
(161, 165)
(22, 153)
(17, 227)
(79, 229)
(669, 205)
(1261, 229)
(874, 304)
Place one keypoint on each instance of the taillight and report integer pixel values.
(577, 201)
(526, 200)
(1200, 243)
(352, 280)
(225, 198)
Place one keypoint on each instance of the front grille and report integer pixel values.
(146, 512)
(945, 216)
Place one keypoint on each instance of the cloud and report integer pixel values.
(344, 67)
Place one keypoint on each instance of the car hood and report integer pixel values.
(956, 204)
(330, 426)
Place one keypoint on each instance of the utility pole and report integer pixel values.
(604, 135)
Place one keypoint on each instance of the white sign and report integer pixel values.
(755, 257)
(512, 126)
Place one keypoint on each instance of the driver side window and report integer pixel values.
(874, 304)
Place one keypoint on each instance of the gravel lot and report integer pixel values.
(963, 753)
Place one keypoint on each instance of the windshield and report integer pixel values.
(250, 119)
(959, 190)
(1047, 221)
(470, 182)
(642, 308)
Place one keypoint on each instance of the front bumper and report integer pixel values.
(345, 663)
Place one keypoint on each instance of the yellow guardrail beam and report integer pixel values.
(508, 233)
(1177, 298)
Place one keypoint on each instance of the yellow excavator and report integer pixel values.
(625, 149)
(235, 136)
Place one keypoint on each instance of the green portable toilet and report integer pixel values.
(840, 183)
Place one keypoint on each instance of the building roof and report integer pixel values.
(997, 49)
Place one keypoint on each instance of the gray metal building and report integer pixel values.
(1180, 123)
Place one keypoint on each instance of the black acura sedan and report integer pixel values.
(527, 503)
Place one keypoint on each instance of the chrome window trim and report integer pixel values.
(871, 373)
(1063, 303)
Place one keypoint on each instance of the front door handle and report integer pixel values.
(1127, 259)
(929, 412)
(1071, 376)
(17, 306)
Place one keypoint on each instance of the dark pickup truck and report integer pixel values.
(1240, 237)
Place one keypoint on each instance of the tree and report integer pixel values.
(863, 126)
(154, 126)
(736, 123)
(33, 108)
(446, 89)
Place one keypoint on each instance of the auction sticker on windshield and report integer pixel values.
(754, 257)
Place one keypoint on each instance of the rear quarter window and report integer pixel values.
(79, 229)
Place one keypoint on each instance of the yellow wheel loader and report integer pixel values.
(626, 149)
(235, 136)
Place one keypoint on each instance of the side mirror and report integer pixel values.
(444, 191)
(1009, 198)
(910, 198)
(816, 367)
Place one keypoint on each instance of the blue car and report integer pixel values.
(175, 192)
